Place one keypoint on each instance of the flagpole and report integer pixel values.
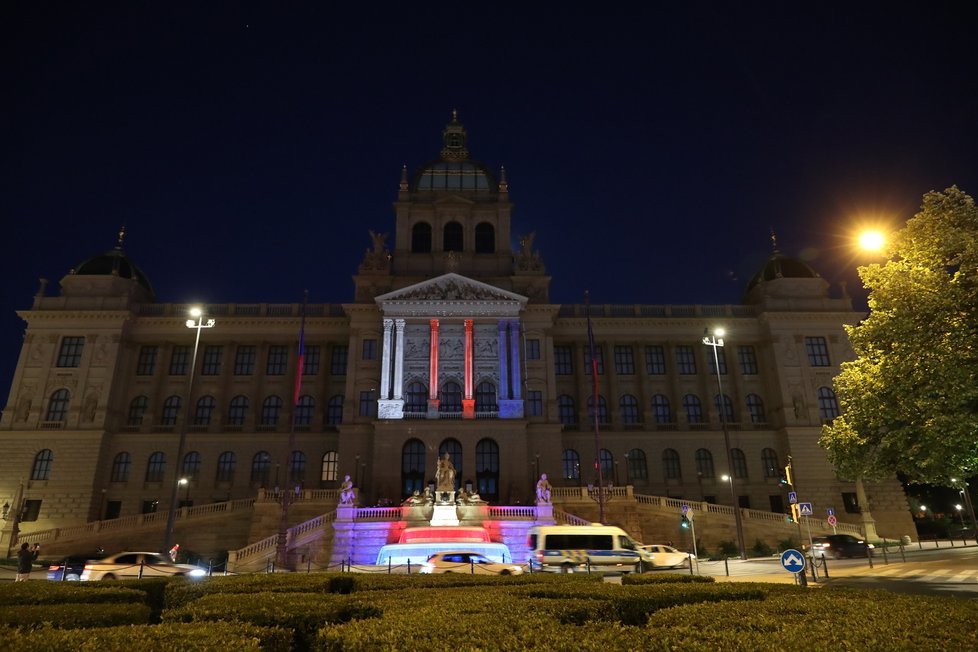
(594, 407)
(287, 495)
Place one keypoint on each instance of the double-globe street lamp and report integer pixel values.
(716, 341)
(199, 324)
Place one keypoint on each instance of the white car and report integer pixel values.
(466, 561)
(658, 556)
(132, 565)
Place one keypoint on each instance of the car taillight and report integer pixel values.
(54, 568)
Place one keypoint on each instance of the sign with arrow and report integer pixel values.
(793, 561)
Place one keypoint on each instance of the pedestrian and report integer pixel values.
(25, 559)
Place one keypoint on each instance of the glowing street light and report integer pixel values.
(716, 341)
(871, 240)
(171, 514)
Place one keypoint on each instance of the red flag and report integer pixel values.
(301, 361)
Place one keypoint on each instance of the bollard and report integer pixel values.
(726, 566)
(869, 556)
(825, 565)
(471, 567)
(308, 565)
(902, 553)
(801, 578)
(937, 542)
(140, 570)
(814, 572)
(388, 565)
(886, 560)
(950, 539)
(409, 566)
(690, 558)
(920, 544)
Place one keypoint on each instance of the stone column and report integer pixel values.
(387, 407)
(503, 362)
(385, 361)
(399, 360)
(433, 371)
(510, 401)
(468, 402)
(514, 352)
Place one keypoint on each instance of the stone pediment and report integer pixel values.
(450, 295)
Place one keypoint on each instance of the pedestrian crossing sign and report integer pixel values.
(805, 509)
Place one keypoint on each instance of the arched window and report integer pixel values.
(58, 406)
(769, 460)
(330, 467)
(724, 407)
(828, 406)
(704, 463)
(412, 467)
(566, 410)
(451, 397)
(485, 238)
(261, 466)
(421, 238)
(42, 465)
(238, 410)
(694, 411)
(190, 468)
(755, 406)
(417, 398)
(171, 411)
(661, 409)
(304, 410)
(137, 410)
(487, 469)
(637, 467)
(225, 467)
(156, 467)
(121, 465)
(628, 406)
(454, 450)
(297, 468)
(334, 411)
(607, 466)
(739, 462)
(270, 409)
(205, 410)
(485, 397)
(602, 409)
(572, 464)
(453, 237)
(671, 467)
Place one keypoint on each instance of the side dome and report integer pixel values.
(109, 274)
(781, 266)
(114, 262)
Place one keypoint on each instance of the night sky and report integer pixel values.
(249, 147)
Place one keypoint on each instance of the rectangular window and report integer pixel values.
(212, 361)
(278, 360)
(598, 358)
(533, 349)
(721, 357)
(368, 404)
(655, 360)
(244, 360)
(534, 403)
(818, 351)
(369, 350)
(32, 509)
(685, 360)
(71, 351)
(146, 364)
(179, 360)
(850, 502)
(337, 362)
(624, 360)
(310, 366)
(748, 360)
(563, 361)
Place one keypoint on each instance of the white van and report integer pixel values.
(568, 548)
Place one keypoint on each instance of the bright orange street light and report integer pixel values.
(871, 240)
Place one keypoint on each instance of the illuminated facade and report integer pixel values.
(450, 345)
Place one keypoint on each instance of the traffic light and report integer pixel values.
(787, 475)
(684, 524)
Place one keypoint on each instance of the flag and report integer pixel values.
(594, 385)
(301, 360)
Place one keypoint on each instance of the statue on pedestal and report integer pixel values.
(543, 489)
(346, 492)
(445, 474)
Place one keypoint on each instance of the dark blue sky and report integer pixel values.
(248, 147)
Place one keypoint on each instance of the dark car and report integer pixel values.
(67, 570)
(838, 546)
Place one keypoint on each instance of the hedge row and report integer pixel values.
(71, 615)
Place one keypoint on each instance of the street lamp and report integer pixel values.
(966, 496)
(959, 507)
(185, 483)
(715, 341)
(171, 514)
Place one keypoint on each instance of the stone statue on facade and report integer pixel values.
(445, 474)
(543, 489)
(346, 492)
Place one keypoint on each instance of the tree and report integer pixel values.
(910, 399)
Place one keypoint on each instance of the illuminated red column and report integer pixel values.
(468, 402)
(433, 368)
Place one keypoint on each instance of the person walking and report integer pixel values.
(25, 560)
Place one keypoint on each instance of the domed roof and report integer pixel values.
(781, 266)
(114, 262)
(454, 170)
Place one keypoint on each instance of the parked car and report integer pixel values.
(467, 561)
(67, 570)
(839, 546)
(659, 556)
(130, 565)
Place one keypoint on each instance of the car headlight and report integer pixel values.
(198, 572)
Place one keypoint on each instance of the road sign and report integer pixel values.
(830, 511)
(792, 497)
(793, 561)
(685, 508)
(805, 509)
(832, 520)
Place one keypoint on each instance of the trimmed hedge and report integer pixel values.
(666, 578)
(192, 637)
(73, 615)
(62, 592)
